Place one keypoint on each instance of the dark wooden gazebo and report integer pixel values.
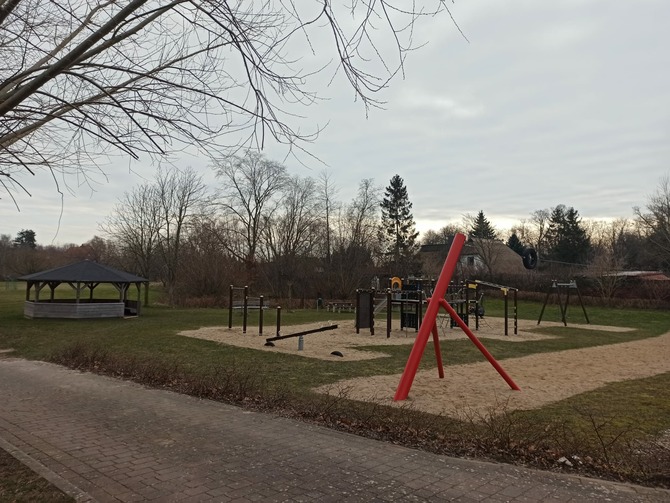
(81, 276)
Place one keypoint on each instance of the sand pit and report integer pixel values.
(543, 378)
(471, 388)
(344, 338)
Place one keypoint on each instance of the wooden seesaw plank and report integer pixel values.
(297, 334)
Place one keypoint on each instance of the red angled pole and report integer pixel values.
(480, 346)
(430, 318)
(438, 353)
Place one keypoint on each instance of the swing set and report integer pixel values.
(562, 291)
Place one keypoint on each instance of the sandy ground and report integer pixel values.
(473, 388)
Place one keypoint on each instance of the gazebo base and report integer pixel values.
(73, 310)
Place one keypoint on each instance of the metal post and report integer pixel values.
(420, 309)
(389, 312)
(438, 352)
(358, 309)
(516, 311)
(546, 299)
(476, 306)
(260, 315)
(582, 304)
(560, 304)
(245, 310)
(372, 311)
(278, 321)
(504, 291)
(230, 307)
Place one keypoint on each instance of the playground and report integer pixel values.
(469, 389)
(473, 388)
(568, 375)
(344, 338)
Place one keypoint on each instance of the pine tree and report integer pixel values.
(515, 243)
(482, 228)
(566, 238)
(398, 227)
(25, 239)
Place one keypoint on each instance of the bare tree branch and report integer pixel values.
(84, 80)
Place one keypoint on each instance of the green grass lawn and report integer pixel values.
(633, 411)
(20, 484)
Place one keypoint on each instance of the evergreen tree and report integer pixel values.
(566, 238)
(398, 228)
(515, 243)
(482, 228)
(25, 239)
(555, 230)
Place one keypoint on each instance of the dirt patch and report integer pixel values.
(345, 339)
(543, 378)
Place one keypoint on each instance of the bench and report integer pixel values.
(251, 304)
(339, 306)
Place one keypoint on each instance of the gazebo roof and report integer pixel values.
(85, 272)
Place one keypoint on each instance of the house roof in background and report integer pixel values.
(502, 257)
(645, 275)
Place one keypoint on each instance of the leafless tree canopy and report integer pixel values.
(249, 190)
(656, 220)
(152, 222)
(145, 77)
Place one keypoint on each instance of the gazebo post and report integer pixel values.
(52, 286)
(139, 297)
(146, 293)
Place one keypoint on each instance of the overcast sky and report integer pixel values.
(548, 103)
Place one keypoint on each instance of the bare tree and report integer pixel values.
(655, 222)
(182, 197)
(292, 230)
(5, 252)
(135, 225)
(327, 194)
(249, 186)
(356, 244)
(361, 216)
(539, 225)
(80, 79)
(293, 233)
(441, 236)
(150, 222)
(608, 254)
(206, 268)
(96, 249)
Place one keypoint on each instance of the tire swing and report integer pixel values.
(529, 257)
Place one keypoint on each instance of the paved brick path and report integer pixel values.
(100, 439)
